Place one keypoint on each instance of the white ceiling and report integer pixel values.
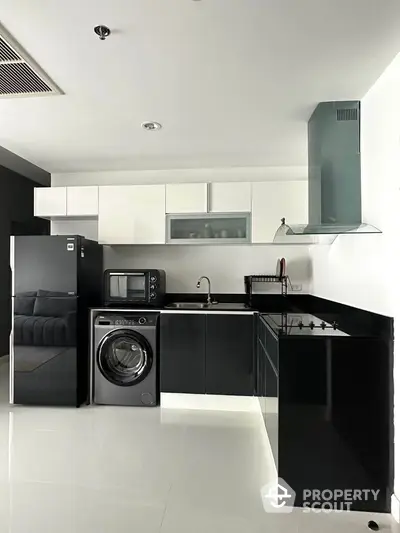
(232, 81)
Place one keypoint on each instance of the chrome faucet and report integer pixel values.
(209, 299)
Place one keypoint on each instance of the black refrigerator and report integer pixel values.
(55, 280)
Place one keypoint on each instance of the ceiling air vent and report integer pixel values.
(346, 114)
(20, 75)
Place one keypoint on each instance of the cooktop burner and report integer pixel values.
(302, 324)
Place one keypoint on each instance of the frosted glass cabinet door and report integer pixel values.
(209, 229)
(186, 198)
(50, 202)
(230, 197)
(276, 199)
(116, 221)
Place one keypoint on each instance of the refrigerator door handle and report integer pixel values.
(11, 334)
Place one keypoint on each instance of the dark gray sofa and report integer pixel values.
(44, 318)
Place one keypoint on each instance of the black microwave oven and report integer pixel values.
(134, 287)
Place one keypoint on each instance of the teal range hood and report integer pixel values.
(334, 174)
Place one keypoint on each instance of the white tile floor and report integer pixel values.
(120, 470)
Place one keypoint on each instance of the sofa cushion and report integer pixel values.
(53, 304)
(44, 331)
(24, 303)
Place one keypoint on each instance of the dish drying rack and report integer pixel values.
(250, 280)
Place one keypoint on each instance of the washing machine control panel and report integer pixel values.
(127, 320)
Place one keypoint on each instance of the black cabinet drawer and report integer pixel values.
(229, 354)
(267, 383)
(182, 353)
(267, 361)
(271, 379)
(271, 345)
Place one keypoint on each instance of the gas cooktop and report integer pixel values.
(302, 324)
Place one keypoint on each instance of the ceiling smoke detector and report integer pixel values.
(151, 126)
(102, 32)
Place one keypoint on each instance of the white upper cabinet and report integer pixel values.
(50, 202)
(230, 197)
(136, 214)
(132, 214)
(274, 200)
(82, 201)
(186, 198)
(54, 202)
(116, 222)
(208, 197)
(149, 214)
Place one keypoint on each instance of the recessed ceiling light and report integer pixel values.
(151, 126)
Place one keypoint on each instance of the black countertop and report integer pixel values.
(219, 306)
(353, 321)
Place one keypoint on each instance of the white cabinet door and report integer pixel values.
(186, 198)
(149, 214)
(116, 220)
(132, 214)
(274, 200)
(82, 201)
(50, 202)
(230, 197)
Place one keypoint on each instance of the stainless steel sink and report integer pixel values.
(187, 305)
(229, 306)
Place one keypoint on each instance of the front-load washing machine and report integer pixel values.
(124, 361)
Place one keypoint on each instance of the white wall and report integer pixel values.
(362, 270)
(87, 228)
(357, 265)
(225, 265)
(209, 175)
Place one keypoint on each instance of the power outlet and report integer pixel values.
(297, 287)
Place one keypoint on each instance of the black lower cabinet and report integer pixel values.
(183, 353)
(207, 353)
(267, 362)
(332, 417)
(333, 420)
(229, 354)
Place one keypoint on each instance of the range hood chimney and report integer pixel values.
(334, 174)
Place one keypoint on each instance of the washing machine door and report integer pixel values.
(124, 357)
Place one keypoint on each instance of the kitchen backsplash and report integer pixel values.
(225, 265)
